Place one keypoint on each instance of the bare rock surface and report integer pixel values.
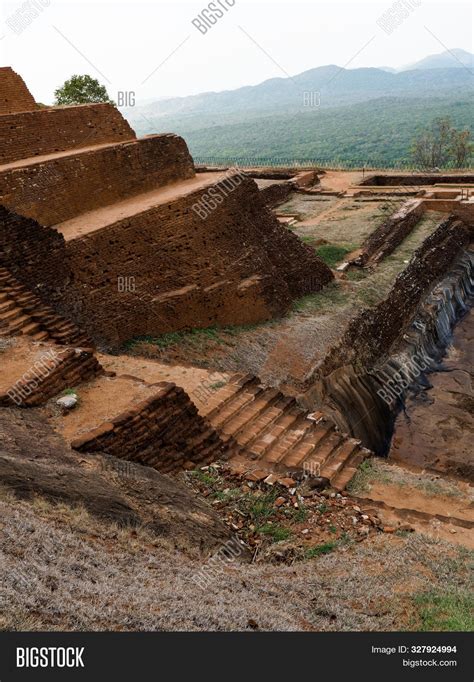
(36, 461)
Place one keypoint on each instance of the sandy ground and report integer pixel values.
(188, 377)
(438, 506)
(340, 181)
(100, 400)
(18, 355)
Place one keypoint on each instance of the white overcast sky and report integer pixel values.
(123, 43)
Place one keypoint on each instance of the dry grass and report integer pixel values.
(377, 470)
(64, 570)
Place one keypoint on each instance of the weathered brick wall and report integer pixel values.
(68, 368)
(238, 266)
(165, 432)
(385, 238)
(59, 189)
(372, 332)
(277, 193)
(14, 95)
(56, 129)
(34, 254)
(414, 179)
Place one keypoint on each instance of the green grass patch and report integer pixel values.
(445, 612)
(297, 515)
(218, 384)
(356, 274)
(205, 477)
(319, 550)
(365, 475)
(332, 254)
(262, 508)
(225, 495)
(275, 532)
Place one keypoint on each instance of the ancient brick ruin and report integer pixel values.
(15, 96)
(84, 206)
(125, 211)
(106, 238)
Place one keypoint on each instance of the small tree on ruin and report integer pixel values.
(82, 90)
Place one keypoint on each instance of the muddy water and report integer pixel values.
(370, 405)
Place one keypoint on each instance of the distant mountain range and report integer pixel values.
(451, 59)
(224, 124)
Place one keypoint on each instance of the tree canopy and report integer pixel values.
(82, 90)
(442, 145)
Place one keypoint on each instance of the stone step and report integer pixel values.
(338, 458)
(265, 441)
(234, 405)
(348, 471)
(260, 426)
(245, 418)
(6, 304)
(288, 440)
(31, 328)
(322, 453)
(226, 394)
(11, 314)
(301, 454)
(18, 323)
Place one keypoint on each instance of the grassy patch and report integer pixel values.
(356, 274)
(332, 254)
(377, 470)
(365, 475)
(297, 515)
(319, 550)
(208, 479)
(445, 612)
(321, 301)
(262, 508)
(195, 339)
(274, 531)
(218, 384)
(226, 495)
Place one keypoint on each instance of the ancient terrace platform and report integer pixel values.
(96, 205)
(103, 217)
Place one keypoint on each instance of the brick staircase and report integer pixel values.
(268, 432)
(154, 424)
(22, 312)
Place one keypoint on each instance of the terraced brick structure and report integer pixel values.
(136, 255)
(117, 236)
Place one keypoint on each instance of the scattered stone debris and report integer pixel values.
(280, 519)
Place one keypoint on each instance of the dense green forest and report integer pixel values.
(376, 133)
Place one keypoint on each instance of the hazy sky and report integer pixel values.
(153, 48)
